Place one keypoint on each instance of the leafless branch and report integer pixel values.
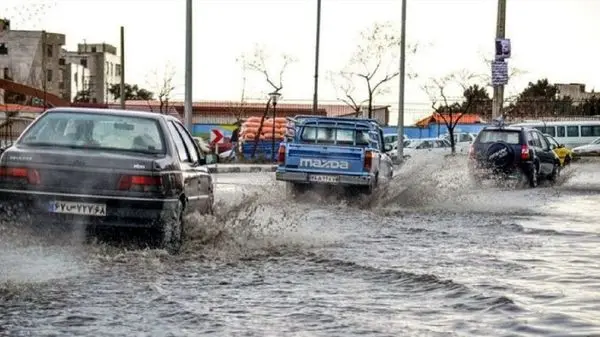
(258, 62)
(373, 64)
(162, 84)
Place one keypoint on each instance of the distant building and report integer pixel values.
(31, 58)
(104, 69)
(380, 113)
(576, 91)
(76, 79)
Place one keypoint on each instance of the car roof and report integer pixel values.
(506, 128)
(115, 112)
(423, 139)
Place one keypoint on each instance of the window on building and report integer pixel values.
(106, 67)
(49, 75)
(49, 50)
(94, 49)
(83, 62)
(117, 70)
(5, 73)
(3, 49)
(61, 61)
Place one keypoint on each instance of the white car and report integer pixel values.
(591, 149)
(424, 146)
(462, 140)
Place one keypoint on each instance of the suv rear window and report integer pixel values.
(332, 135)
(491, 136)
(96, 131)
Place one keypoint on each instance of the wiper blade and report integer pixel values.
(48, 144)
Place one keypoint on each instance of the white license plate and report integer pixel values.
(79, 208)
(324, 179)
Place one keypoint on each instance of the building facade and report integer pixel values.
(32, 58)
(104, 66)
(576, 91)
(76, 79)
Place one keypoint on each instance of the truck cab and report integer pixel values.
(346, 152)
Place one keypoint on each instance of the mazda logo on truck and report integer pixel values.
(330, 164)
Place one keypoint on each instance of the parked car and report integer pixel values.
(393, 153)
(565, 155)
(106, 169)
(513, 152)
(462, 140)
(334, 151)
(591, 149)
(427, 146)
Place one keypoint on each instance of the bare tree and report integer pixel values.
(373, 64)
(238, 109)
(162, 84)
(257, 61)
(450, 111)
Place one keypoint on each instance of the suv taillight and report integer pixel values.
(368, 161)
(524, 152)
(281, 154)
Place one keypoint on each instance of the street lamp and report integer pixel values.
(275, 96)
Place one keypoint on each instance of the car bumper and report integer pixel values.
(480, 172)
(324, 179)
(118, 211)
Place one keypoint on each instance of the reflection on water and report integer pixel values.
(431, 255)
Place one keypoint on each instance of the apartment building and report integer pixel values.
(104, 66)
(32, 58)
(76, 79)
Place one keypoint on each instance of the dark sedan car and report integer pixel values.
(108, 168)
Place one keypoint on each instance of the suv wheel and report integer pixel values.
(533, 176)
(555, 173)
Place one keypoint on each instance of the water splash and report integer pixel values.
(443, 183)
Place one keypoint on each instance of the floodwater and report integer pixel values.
(430, 256)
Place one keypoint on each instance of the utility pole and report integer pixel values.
(402, 76)
(122, 87)
(45, 66)
(498, 98)
(187, 109)
(317, 45)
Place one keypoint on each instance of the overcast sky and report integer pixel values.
(556, 39)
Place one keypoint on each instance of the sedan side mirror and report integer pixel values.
(387, 147)
(202, 161)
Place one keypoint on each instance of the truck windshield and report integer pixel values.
(333, 135)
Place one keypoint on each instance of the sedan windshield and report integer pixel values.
(95, 131)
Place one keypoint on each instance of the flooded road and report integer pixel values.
(431, 256)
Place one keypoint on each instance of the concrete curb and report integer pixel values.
(232, 168)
